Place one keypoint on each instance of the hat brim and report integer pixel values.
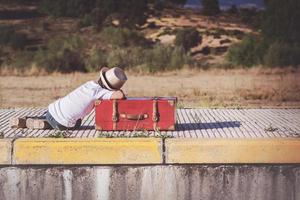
(103, 78)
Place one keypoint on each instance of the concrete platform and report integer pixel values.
(202, 136)
(191, 123)
(221, 154)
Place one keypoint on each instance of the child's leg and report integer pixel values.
(36, 122)
(53, 123)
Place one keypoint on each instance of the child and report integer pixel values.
(66, 113)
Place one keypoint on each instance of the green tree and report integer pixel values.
(210, 7)
(247, 53)
(281, 21)
(282, 54)
(132, 12)
(128, 12)
(281, 31)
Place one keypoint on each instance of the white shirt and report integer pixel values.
(78, 103)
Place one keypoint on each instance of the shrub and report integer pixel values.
(165, 58)
(9, 37)
(216, 33)
(210, 7)
(85, 21)
(126, 58)
(251, 17)
(200, 64)
(187, 38)
(137, 56)
(178, 59)
(118, 58)
(122, 37)
(131, 12)
(179, 3)
(158, 58)
(282, 54)
(19, 60)
(247, 53)
(95, 60)
(128, 12)
(22, 60)
(62, 54)
(236, 33)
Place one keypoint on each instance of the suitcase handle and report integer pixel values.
(133, 117)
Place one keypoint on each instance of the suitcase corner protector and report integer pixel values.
(98, 127)
(171, 128)
(171, 102)
(97, 102)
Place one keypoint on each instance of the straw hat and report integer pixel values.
(113, 79)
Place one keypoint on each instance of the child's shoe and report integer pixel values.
(37, 123)
(17, 122)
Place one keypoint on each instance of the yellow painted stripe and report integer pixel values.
(87, 151)
(232, 151)
(5, 151)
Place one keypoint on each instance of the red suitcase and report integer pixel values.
(136, 114)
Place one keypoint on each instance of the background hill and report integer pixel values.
(238, 57)
(72, 35)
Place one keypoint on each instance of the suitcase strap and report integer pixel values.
(115, 117)
(155, 116)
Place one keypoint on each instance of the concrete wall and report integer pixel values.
(215, 182)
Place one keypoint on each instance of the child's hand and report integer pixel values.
(125, 95)
(119, 94)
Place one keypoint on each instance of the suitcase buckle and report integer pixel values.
(115, 119)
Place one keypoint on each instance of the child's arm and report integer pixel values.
(118, 95)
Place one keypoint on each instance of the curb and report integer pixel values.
(246, 151)
(44, 151)
(87, 151)
(5, 151)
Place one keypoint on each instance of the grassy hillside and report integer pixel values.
(37, 43)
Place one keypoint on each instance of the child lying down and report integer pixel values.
(67, 112)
